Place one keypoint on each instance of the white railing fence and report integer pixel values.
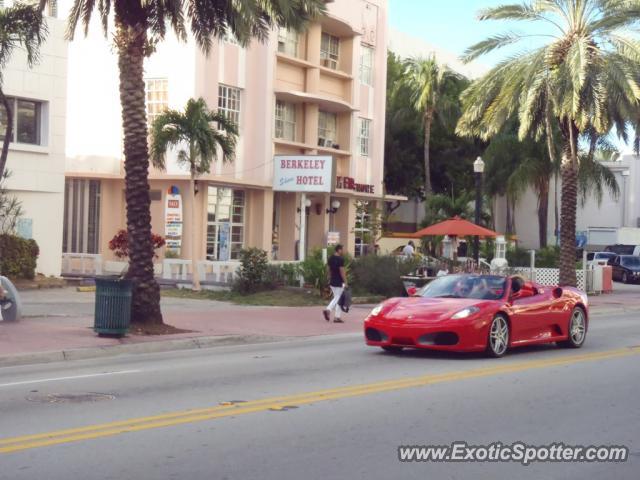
(217, 272)
(550, 277)
(173, 269)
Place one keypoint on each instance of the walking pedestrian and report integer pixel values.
(337, 282)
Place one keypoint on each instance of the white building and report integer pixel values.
(37, 152)
(614, 220)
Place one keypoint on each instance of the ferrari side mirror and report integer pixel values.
(411, 291)
(557, 292)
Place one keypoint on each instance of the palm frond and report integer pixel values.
(196, 133)
(21, 26)
(594, 179)
(490, 44)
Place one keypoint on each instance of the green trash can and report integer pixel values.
(113, 306)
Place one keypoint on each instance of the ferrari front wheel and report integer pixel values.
(577, 329)
(498, 341)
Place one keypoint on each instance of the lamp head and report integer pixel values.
(478, 165)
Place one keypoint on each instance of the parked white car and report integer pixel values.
(601, 258)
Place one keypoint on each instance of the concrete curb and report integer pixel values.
(193, 343)
(597, 311)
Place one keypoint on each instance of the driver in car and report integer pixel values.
(480, 289)
(463, 288)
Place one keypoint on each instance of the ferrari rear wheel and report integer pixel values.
(498, 341)
(392, 349)
(577, 329)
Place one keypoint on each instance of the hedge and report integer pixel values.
(18, 257)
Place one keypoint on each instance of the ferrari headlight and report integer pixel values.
(376, 311)
(467, 312)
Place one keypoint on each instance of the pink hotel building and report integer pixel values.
(315, 98)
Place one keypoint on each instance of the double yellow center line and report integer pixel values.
(229, 409)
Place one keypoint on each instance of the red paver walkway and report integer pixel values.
(42, 334)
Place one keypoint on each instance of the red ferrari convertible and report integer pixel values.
(480, 313)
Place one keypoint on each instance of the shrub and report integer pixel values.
(548, 257)
(380, 275)
(518, 257)
(253, 269)
(18, 256)
(282, 275)
(488, 250)
(119, 244)
(314, 271)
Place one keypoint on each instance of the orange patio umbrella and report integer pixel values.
(454, 227)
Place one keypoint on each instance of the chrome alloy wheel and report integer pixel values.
(577, 327)
(499, 336)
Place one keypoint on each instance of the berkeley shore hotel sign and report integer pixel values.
(303, 173)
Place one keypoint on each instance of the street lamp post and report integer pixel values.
(478, 170)
(625, 176)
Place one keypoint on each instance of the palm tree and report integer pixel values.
(585, 77)
(426, 80)
(139, 24)
(21, 26)
(197, 133)
(442, 207)
(502, 158)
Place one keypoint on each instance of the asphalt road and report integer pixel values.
(326, 408)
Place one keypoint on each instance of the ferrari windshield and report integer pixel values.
(482, 287)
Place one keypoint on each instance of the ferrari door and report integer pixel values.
(532, 319)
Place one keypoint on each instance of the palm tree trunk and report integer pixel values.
(556, 212)
(569, 201)
(8, 132)
(428, 120)
(508, 225)
(131, 42)
(543, 211)
(194, 261)
(552, 158)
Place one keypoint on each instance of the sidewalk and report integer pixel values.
(625, 298)
(57, 325)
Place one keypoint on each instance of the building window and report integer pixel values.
(27, 121)
(225, 223)
(364, 136)
(53, 8)
(229, 102)
(285, 120)
(366, 65)
(157, 91)
(81, 232)
(329, 51)
(288, 41)
(327, 129)
(361, 230)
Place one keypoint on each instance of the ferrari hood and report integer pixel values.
(417, 309)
